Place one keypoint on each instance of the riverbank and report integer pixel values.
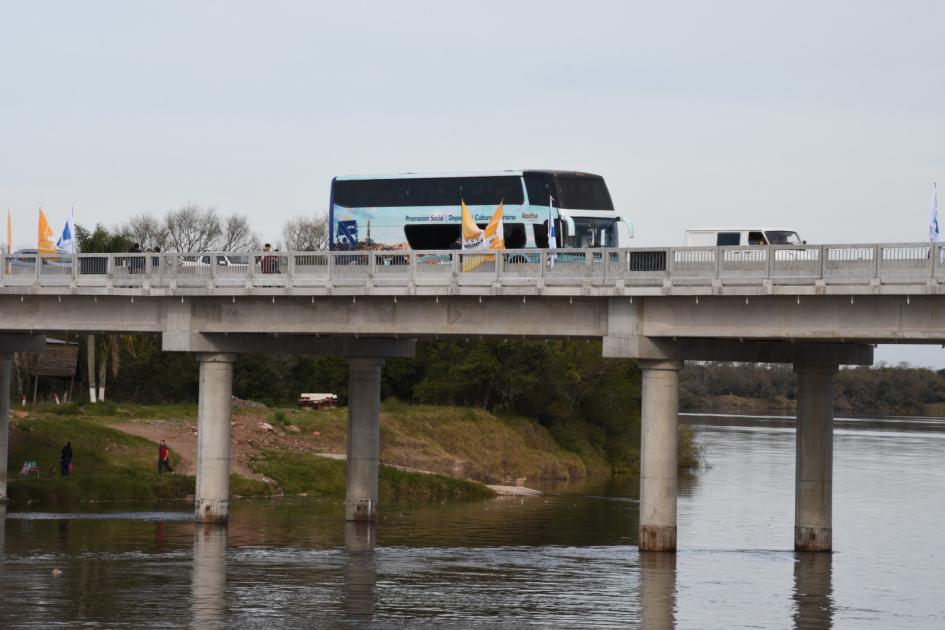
(115, 465)
(427, 452)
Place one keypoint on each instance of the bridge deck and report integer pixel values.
(899, 268)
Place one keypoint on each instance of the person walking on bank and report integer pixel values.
(65, 460)
(164, 460)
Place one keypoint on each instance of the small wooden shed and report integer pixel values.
(59, 360)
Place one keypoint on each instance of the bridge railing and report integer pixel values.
(852, 264)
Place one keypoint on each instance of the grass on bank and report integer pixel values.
(110, 465)
(460, 442)
(475, 444)
(110, 411)
(302, 473)
(107, 464)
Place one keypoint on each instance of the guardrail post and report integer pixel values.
(822, 255)
(291, 279)
(212, 282)
(877, 252)
(331, 269)
(935, 253)
(109, 270)
(769, 250)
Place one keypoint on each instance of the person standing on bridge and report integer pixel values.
(135, 263)
(164, 459)
(268, 263)
(65, 460)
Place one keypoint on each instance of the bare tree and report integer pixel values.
(193, 229)
(303, 234)
(147, 230)
(237, 235)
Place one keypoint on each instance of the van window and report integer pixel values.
(728, 238)
(783, 237)
(756, 238)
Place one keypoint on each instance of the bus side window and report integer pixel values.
(728, 238)
(756, 238)
(538, 187)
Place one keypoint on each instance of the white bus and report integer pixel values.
(412, 211)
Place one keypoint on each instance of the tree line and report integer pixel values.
(195, 228)
(879, 390)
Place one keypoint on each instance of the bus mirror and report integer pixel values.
(626, 227)
(568, 224)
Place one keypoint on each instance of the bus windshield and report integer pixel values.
(593, 233)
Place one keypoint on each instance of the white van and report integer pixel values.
(711, 237)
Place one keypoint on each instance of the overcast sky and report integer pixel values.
(825, 117)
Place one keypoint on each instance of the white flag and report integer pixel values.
(66, 242)
(934, 232)
(552, 232)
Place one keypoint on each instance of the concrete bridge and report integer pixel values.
(816, 307)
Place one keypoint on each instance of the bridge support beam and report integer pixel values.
(813, 491)
(214, 409)
(658, 458)
(364, 437)
(6, 370)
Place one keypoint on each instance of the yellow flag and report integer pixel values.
(495, 234)
(44, 244)
(472, 235)
(493, 237)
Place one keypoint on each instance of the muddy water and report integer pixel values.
(567, 559)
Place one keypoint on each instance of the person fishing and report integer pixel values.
(164, 459)
(65, 460)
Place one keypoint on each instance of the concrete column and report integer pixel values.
(6, 370)
(213, 437)
(658, 455)
(813, 490)
(364, 438)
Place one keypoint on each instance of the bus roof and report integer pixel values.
(513, 173)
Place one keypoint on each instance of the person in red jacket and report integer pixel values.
(164, 460)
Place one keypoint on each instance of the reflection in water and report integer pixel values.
(360, 572)
(64, 533)
(658, 589)
(813, 593)
(208, 581)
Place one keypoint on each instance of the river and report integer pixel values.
(566, 559)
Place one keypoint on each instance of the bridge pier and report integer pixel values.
(658, 454)
(214, 409)
(364, 438)
(6, 369)
(813, 491)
